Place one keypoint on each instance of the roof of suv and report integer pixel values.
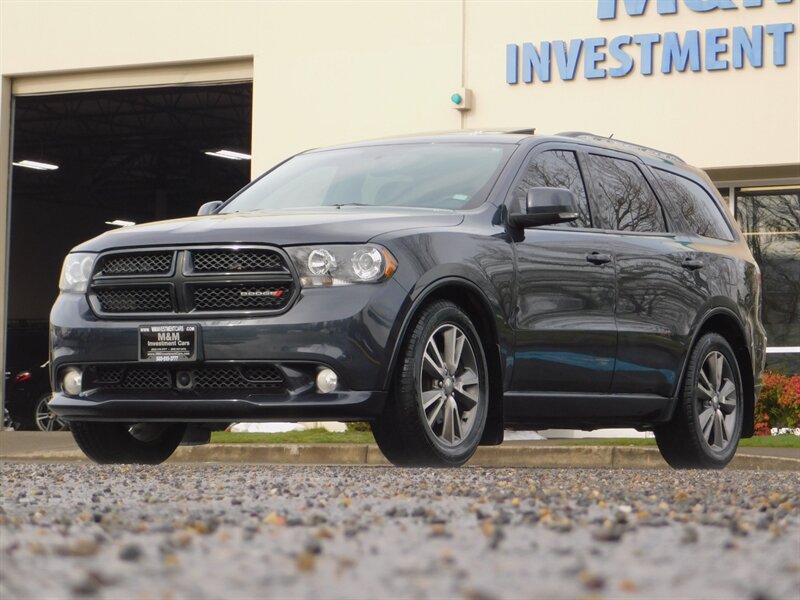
(519, 136)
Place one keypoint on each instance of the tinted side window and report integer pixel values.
(695, 211)
(557, 169)
(624, 197)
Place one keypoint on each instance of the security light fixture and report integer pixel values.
(32, 164)
(120, 223)
(230, 154)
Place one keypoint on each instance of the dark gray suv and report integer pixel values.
(441, 288)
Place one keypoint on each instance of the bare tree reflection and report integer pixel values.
(771, 223)
(626, 199)
(695, 211)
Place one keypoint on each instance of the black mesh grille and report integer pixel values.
(218, 280)
(157, 263)
(228, 378)
(134, 300)
(242, 297)
(109, 375)
(237, 261)
(118, 378)
(258, 377)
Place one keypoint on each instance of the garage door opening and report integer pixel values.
(85, 163)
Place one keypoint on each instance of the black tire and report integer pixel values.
(109, 443)
(682, 441)
(402, 431)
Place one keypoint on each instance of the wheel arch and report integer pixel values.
(724, 322)
(471, 299)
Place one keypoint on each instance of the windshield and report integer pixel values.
(445, 175)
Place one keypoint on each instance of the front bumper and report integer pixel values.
(348, 329)
(337, 406)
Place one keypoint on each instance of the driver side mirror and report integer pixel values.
(546, 206)
(209, 208)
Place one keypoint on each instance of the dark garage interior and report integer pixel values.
(133, 155)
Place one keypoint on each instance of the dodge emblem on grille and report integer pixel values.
(250, 293)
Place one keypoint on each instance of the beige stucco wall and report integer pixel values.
(323, 73)
(711, 119)
(329, 72)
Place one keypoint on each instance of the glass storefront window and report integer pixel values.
(770, 219)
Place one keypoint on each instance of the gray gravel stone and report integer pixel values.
(212, 531)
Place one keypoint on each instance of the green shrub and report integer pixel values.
(359, 426)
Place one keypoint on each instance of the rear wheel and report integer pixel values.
(705, 430)
(438, 404)
(140, 443)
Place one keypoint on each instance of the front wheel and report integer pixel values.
(439, 398)
(705, 429)
(140, 443)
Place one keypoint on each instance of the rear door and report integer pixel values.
(564, 319)
(656, 300)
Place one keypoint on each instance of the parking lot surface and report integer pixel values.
(230, 531)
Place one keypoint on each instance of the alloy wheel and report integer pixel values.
(449, 385)
(46, 419)
(717, 401)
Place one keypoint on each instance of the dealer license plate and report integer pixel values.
(167, 343)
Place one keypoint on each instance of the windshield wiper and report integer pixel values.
(349, 204)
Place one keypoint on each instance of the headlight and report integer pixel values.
(76, 272)
(342, 265)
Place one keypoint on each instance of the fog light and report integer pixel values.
(327, 381)
(71, 381)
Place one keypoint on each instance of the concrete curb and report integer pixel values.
(548, 457)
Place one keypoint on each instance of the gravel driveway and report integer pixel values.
(222, 531)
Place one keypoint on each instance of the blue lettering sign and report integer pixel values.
(567, 60)
(647, 41)
(707, 5)
(779, 33)
(714, 48)
(512, 63)
(743, 45)
(592, 56)
(607, 9)
(677, 56)
(617, 51)
(534, 62)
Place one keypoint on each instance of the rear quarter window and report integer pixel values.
(695, 211)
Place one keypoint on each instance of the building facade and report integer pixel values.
(716, 82)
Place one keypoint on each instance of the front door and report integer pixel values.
(564, 320)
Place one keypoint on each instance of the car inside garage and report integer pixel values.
(88, 162)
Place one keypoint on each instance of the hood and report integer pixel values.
(328, 225)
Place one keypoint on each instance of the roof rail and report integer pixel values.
(622, 145)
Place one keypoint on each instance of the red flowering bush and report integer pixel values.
(779, 402)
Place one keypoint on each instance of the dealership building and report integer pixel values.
(125, 112)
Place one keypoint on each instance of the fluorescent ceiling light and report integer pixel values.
(32, 164)
(120, 223)
(230, 154)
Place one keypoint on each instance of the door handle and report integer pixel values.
(692, 264)
(598, 259)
